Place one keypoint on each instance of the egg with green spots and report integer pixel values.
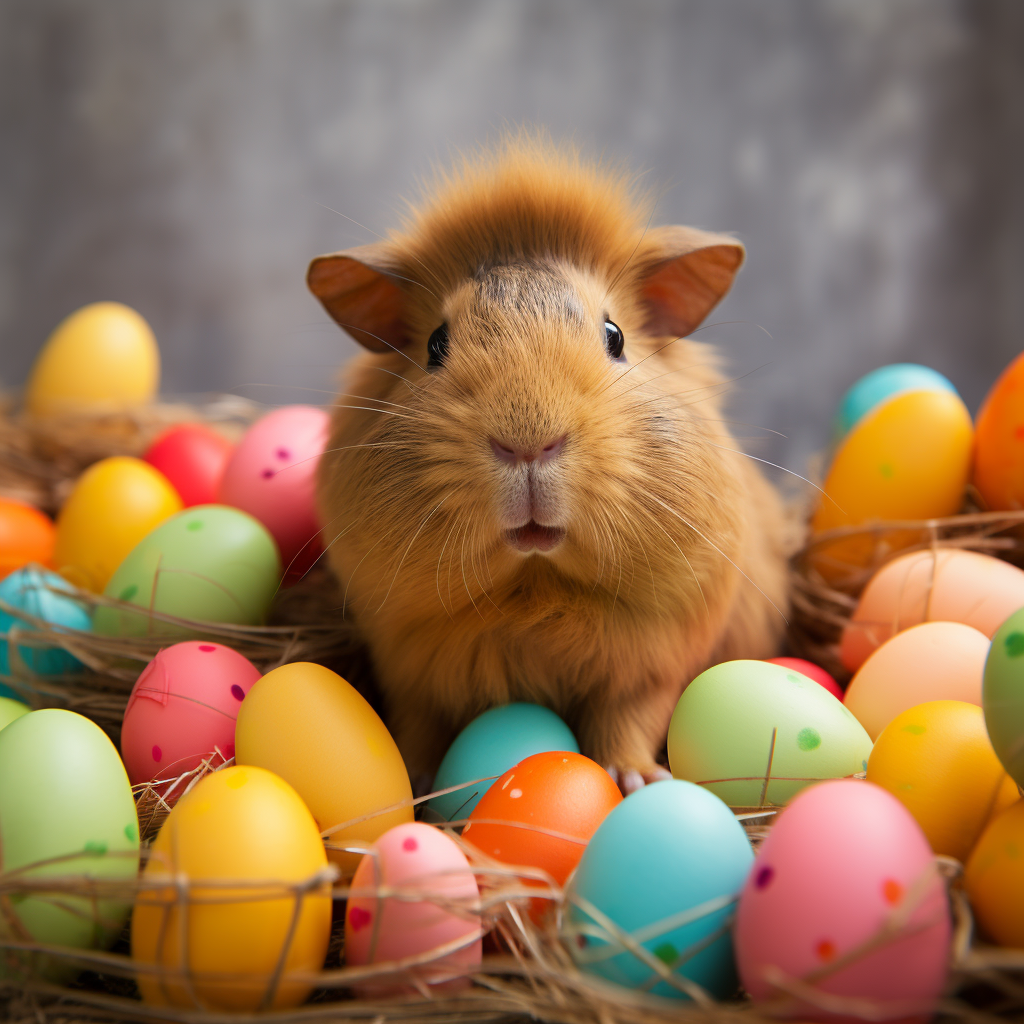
(755, 734)
(1002, 695)
(209, 563)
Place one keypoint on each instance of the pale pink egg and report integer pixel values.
(436, 903)
(845, 866)
(183, 708)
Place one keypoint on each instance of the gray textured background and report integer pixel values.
(181, 157)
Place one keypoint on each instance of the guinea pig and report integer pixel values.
(529, 493)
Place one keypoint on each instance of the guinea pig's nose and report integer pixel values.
(543, 453)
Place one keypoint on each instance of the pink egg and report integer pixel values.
(845, 862)
(812, 671)
(183, 708)
(414, 859)
(272, 476)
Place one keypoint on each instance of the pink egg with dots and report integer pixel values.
(435, 903)
(183, 708)
(845, 897)
(272, 476)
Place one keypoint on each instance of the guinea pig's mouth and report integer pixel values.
(534, 537)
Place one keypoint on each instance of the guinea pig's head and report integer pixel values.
(531, 413)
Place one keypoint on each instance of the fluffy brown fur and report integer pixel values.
(672, 557)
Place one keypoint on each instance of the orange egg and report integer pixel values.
(998, 472)
(928, 586)
(26, 535)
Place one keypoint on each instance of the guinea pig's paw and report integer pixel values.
(629, 780)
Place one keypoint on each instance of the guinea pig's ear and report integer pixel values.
(358, 289)
(688, 272)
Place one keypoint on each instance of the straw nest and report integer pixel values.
(528, 970)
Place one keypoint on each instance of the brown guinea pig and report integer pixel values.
(529, 493)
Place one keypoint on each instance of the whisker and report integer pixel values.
(462, 561)
(437, 575)
(394, 348)
(409, 548)
(700, 589)
(775, 465)
(405, 380)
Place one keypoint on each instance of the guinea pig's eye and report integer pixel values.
(613, 339)
(437, 347)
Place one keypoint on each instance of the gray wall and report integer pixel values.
(182, 156)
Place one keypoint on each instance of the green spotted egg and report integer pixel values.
(1002, 695)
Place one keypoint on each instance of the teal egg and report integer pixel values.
(721, 733)
(878, 385)
(488, 747)
(1002, 695)
(28, 591)
(666, 866)
(210, 563)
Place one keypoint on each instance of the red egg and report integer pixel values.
(193, 458)
(812, 671)
(26, 536)
(183, 708)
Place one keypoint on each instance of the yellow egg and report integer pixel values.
(312, 728)
(102, 358)
(245, 825)
(994, 878)
(937, 760)
(115, 503)
(908, 459)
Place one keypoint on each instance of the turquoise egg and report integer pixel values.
(1002, 695)
(666, 866)
(488, 747)
(28, 590)
(878, 385)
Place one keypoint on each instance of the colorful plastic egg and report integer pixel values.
(432, 901)
(249, 826)
(844, 861)
(812, 671)
(936, 759)
(102, 358)
(665, 866)
(272, 475)
(994, 881)
(999, 441)
(755, 734)
(1002, 695)
(209, 563)
(907, 459)
(885, 382)
(491, 744)
(312, 728)
(11, 710)
(115, 503)
(192, 457)
(26, 536)
(183, 708)
(948, 585)
(932, 661)
(64, 793)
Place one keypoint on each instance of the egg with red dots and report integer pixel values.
(182, 710)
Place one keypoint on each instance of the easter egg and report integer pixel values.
(885, 382)
(209, 563)
(26, 536)
(907, 459)
(1002, 695)
(665, 866)
(115, 503)
(812, 671)
(932, 661)
(936, 759)
(64, 794)
(11, 710)
(742, 721)
(272, 476)
(32, 591)
(994, 881)
(192, 457)
(843, 861)
(998, 472)
(312, 728)
(102, 358)
(491, 744)
(432, 901)
(183, 708)
(241, 825)
(949, 585)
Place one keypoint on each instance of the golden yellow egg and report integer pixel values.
(102, 358)
(308, 725)
(240, 825)
(994, 878)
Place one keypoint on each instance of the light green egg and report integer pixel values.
(10, 710)
(64, 791)
(721, 734)
(210, 563)
(1002, 695)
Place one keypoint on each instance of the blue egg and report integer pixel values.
(27, 591)
(666, 866)
(488, 747)
(878, 385)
